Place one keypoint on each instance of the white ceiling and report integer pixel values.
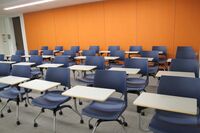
(53, 4)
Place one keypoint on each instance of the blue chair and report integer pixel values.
(185, 52)
(113, 48)
(1, 57)
(76, 49)
(54, 100)
(47, 52)
(154, 66)
(20, 52)
(136, 85)
(119, 62)
(44, 48)
(59, 48)
(95, 48)
(88, 53)
(72, 54)
(163, 57)
(13, 93)
(61, 60)
(4, 71)
(113, 108)
(36, 72)
(170, 122)
(33, 52)
(98, 61)
(185, 65)
(135, 48)
(16, 58)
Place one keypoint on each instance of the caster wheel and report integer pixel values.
(0, 100)
(43, 111)
(35, 125)
(60, 113)
(2, 115)
(143, 114)
(80, 103)
(26, 105)
(9, 111)
(18, 123)
(81, 121)
(125, 124)
(90, 126)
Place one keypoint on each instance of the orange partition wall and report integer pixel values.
(117, 22)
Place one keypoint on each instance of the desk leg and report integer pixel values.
(140, 122)
(76, 111)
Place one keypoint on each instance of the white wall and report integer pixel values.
(7, 38)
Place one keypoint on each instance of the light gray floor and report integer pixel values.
(69, 122)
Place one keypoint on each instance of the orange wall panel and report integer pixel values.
(117, 22)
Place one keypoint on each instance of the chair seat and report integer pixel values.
(153, 69)
(88, 78)
(159, 126)
(11, 93)
(35, 72)
(136, 84)
(162, 61)
(116, 65)
(50, 100)
(111, 109)
(2, 86)
(177, 118)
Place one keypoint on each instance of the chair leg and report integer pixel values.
(122, 124)
(140, 122)
(35, 120)
(89, 123)
(4, 108)
(124, 121)
(96, 125)
(54, 121)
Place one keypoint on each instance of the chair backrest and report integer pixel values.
(59, 48)
(5, 69)
(88, 53)
(111, 80)
(142, 64)
(76, 49)
(33, 52)
(44, 48)
(185, 52)
(96, 61)
(16, 58)
(36, 59)
(135, 48)
(185, 65)
(70, 53)
(95, 48)
(61, 75)
(113, 48)
(47, 52)
(180, 86)
(20, 52)
(62, 60)
(119, 53)
(21, 71)
(151, 54)
(160, 48)
(1, 57)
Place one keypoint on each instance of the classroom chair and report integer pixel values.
(13, 93)
(20, 52)
(88, 53)
(135, 48)
(113, 48)
(95, 48)
(36, 72)
(185, 52)
(1, 57)
(61, 60)
(76, 49)
(154, 65)
(54, 100)
(33, 52)
(185, 65)
(119, 62)
(59, 48)
(113, 108)
(72, 54)
(44, 48)
(170, 122)
(47, 52)
(4, 71)
(16, 58)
